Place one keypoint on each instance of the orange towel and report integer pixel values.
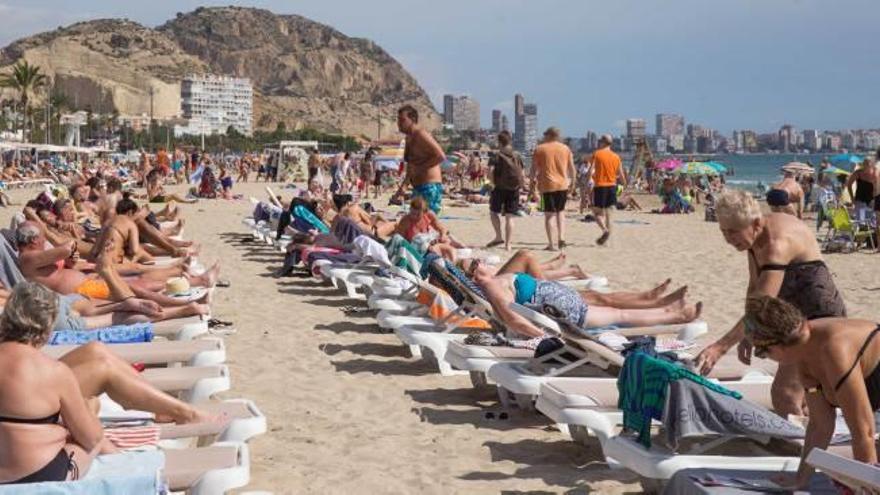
(440, 306)
(94, 289)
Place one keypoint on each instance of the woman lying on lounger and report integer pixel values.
(37, 391)
(526, 262)
(847, 376)
(583, 309)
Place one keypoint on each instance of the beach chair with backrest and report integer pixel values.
(215, 469)
(199, 352)
(846, 233)
(243, 421)
(579, 355)
(574, 403)
(857, 476)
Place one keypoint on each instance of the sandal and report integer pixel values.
(215, 323)
(223, 283)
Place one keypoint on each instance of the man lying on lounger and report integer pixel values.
(581, 309)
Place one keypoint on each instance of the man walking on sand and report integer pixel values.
(553, 174)
(507, 179)
(423, 157)
(606, 171)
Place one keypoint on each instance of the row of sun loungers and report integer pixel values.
(188, 362)
(576, 385)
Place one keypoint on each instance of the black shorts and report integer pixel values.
(877, 202)
(504, 201)
(604, 196)
(554, 201)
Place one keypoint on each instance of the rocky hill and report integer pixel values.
(304, 73)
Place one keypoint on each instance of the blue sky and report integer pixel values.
(589, 64)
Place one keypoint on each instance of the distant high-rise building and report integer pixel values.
(832, 142)
(675, 143)
(871, 141)
(448, 109)
(669, 124)
(496, 121)
(787, 140)
(213, 104)
(504, 123)
(526, 137)
(812, 140)
(635, 128)
(518, 103)
(592, 141)
(461, 112)
(849, 140)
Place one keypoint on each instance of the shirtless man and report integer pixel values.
(786, 196)
(423, 157)
(52, 267)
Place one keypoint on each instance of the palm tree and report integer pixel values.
(25, 79)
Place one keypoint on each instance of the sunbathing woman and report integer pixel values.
(847, 376)
(784, 261)
(156, 192)
(37, 391)
(638, 309)
(422, 227)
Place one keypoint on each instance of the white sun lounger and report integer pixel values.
(181, 328)
(200, 352)
(246, 422)
(222, 467)
(523, 380)
(190, 384)
(573, 403)
(860, 477)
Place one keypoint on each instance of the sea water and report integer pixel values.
(749, 170)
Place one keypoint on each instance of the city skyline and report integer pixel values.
(765, 65)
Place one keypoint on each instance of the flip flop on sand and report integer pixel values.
(215, 323)
(223, 283)
(494, 243)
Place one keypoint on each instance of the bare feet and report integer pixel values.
(579, 272)
(142, 306)
(688, 313)
(199, 309)
(658, 291)
(676, 297)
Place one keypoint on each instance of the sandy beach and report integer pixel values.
(350, 412)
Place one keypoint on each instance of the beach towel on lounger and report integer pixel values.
(120, 334)
(642, 385)
(693, 410)
(304, 220)
(112, 474)
(441, 305)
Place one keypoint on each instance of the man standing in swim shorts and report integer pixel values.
(423, 157)
(606, 170)
(553, 174)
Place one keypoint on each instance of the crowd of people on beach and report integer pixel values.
(793, 310)
(89, 252)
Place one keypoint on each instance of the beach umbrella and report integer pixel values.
(845, 158)
(835, 171)
(719, 167)
(697, 168)
(797, 168)
(668, 164)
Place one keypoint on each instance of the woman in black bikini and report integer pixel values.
(784, 261)
(36, 391)
(847, 376)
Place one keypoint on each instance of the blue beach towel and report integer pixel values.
(302, 214)
(120, 334)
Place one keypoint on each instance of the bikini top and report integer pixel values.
(48, 420)
(818, 388)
